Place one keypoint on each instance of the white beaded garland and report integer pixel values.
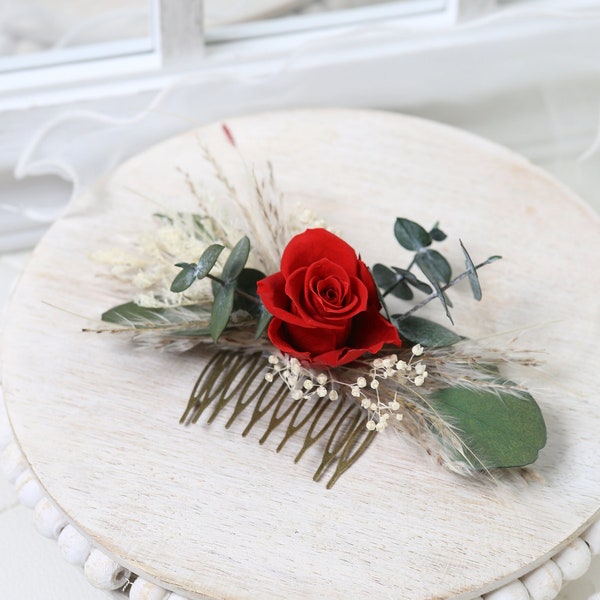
(512, 591)
(12, 462)
(592, 537)
(29, 491)
(574, 560)
(47, 519)
(144, 590)
(103, 572)
(73, 546)
(545, 582)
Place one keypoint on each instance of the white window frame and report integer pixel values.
(179, 42)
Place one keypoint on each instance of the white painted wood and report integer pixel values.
(29, 491)
(592, 537)
(103, 572)
(74, 547)
(48, 520)
(144, 590)
(513, 591)
(574, 560)
(180, 35)
(545, 582)
(105, 441)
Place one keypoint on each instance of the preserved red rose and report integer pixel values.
(324, 302)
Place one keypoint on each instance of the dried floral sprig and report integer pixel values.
(328, 344)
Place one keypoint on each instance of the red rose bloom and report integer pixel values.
(324, 302)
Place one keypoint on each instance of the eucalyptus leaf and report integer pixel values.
(500, 429)
(472, 274)
(236, 260)
(384, 277)
(402, 291)
(184, 278)
(246, 283)
(434, 266)
(412, 279)
(263, 321)
(411, 235)
(208, 259)
(437, 234)
(425, 332)
(221, 309)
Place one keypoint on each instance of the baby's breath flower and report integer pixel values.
(371, 425)
(333, 395)
(419, 380)
(417, 350)
(321, 378)
(269, 377)
(361, 382)
(321, 391)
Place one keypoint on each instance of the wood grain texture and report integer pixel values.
(207, 512)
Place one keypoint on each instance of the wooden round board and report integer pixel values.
(206, 512)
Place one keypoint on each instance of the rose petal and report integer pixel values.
(313, 245)
(271, 291)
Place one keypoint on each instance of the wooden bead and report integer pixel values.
(592, 537)
(545, 582)
(103, 572)
(48, 520)
(512, 591)
(74, 547)
(144, 590)
(29, 491)
(574, 560)
(12, 462)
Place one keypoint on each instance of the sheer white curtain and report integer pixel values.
(527, 78)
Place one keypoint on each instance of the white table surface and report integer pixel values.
(31, 567)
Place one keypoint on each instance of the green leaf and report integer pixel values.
(504, 429)
(221, 309)
(411, 235)
(425, 332)
(184, 278)
(384, 277)
(392, 283)
(246, 282)
(437, 234)
(472, 274)
(411, 279)
(207, 260)
(434, 266)
(236, 260)
(139, 317)
(263, 321)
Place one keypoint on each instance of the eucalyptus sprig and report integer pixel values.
(233, 289)
(435, 267)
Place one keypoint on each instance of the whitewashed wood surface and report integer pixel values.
(205, 511)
